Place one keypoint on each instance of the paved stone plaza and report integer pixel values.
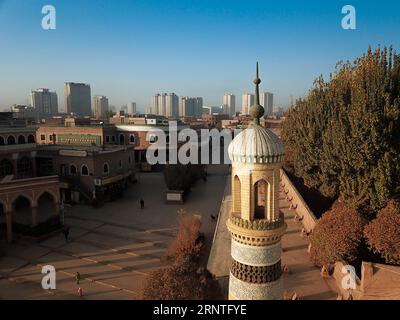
(113, 247)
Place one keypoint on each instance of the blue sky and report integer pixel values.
(129, 50)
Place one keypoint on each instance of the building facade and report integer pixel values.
(165, 104)
(255, 223)
(25, 198)
(131, 108)
(44, 101)
(247, 102)
(229, 104)
(100, 107)
(77, 98)
(190, 106)
(267, 101)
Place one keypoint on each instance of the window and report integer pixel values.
(24, 166)
(11, 140)
(6, 168)
(132, 138)
(51, 137)
(121, 139)
(105, 168)
(153, 139)
(72, 170)
(107, 139)
(21, 139)
(31, 138)
(84, 170)
(42, 137)
(113, 138)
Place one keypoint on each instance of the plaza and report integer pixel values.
(113, 247)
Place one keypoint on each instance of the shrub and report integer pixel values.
(383, 233)
(183, 278)
(337, 236)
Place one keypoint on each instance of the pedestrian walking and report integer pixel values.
(141, 203)
(66, 234)
(77, 277)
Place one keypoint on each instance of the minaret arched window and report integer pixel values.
(237, 206)
(260, 197)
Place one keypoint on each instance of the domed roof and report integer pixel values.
(256, 145)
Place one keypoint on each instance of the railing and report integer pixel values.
(258, 224)
(17, 147)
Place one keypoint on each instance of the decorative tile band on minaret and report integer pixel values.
(256, 224)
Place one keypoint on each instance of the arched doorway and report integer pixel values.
(22, 213)
(260, 197)
(45, 207)
(121, 139)
(11, 140)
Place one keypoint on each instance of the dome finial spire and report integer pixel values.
(257, 111)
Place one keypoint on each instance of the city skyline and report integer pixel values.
(291, 54)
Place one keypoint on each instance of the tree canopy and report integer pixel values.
(342, 139)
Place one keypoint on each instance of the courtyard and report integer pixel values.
(113, 247)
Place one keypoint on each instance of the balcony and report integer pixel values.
(258, 224)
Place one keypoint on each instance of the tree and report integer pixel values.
(383, 233)
(184, 278)
(342, 138)
(181, 177)
(337, 236)
(178, 176)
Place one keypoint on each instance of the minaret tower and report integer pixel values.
(256, 224)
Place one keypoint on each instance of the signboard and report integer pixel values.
(73, 153)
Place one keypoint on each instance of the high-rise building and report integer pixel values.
(100, 104)
(229, 104)
(190, 106)
(267, 101)
(44, 101)
(171, 105)
(165, 104)
(77, 98)
(247, 102)
(131, 108)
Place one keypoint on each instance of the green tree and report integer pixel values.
(343, 137)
